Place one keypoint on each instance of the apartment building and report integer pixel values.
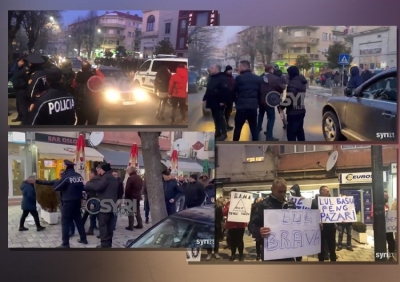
(373, 46)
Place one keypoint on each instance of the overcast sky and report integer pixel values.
(229, 33)
(70, 16)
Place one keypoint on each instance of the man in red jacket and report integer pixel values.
(133, 191)
(177, 92)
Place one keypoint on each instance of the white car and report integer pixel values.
(144, 77)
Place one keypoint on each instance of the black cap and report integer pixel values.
(68, 163)
(35, 59)
(105, 167)
(53, 74)
(166, 172)
(194, 176)
(228, 68)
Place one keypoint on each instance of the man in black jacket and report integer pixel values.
(70, 187)
(20, 85)
(275, 201)
(328, 232)
(171, 192)
(194, 193)
(54, 106)
(37, 74)
(215, 98)
(106, 189)
(246, 89)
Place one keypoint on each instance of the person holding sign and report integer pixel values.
(236, 233)
(394, 208)
(328, 232)
(295, 192)
(345, 226)
(276, 200)
(259, 243)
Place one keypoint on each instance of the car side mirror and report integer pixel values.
(129, 242)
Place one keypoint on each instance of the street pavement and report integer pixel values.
(143, 113)
(361, 253)
(315, 99)
(51, 236)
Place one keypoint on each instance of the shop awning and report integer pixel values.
(60, 151)
(118, 159)
(185, 166)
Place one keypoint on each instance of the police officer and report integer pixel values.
(20, 85)
(71, 187)
(54, 106)
(107, 189)
(36, 75)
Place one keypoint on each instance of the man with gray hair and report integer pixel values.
(215, 99)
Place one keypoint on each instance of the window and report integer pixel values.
(145, 66)
(182, 26)
(292, 149)
(254, 153)
(298, 33)
(330, 37)
(209, 145)
(324, 36)
(150, 23)
(167, 28)
(308, 50)
(177, 135)
(308, 33)
(181, 44)
(171, 65)
(297, 50)
(166, 39)
(388, 85)
(202, 19)
(110, 31)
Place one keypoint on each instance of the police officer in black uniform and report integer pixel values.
(36, 75)
(20, 85)
(71, 187)
(54, 106)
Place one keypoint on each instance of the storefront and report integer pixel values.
(392, 183)
(52, 150)
(188, 167)
(359, 185)
(19, 162)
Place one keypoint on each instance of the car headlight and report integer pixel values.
(140, 95)
(112, 96)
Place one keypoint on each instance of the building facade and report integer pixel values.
(373, 46)
(252, 168)
(109, 31)
(311, 41)
(157, 25)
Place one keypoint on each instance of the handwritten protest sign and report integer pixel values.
(240, 207)
(337, 209)
(294, 233)
(391, 221)
(301, 203)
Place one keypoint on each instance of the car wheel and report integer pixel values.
(331, 127)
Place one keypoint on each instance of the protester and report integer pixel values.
(355, 78)
(171, 192)
(230, 97)
(218, 229)
(344, 227)
(161, 84)
(93, 176)
(389, 235)
(133, 192)
(120, 196)
(259, 242)
(177, 92)
(194, 192)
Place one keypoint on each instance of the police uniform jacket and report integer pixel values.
(171, 190)
(55, 107)
(20, 79)
(106, 187)
(36, 81)
(70, 186)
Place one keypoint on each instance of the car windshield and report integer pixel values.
(171, 65)
(383, 89)
(117, 73)
(175, 232)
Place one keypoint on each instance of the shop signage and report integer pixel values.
(56, 139)
(361, 177)
(17, 137)
(393, 168)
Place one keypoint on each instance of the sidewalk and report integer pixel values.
(51, 236)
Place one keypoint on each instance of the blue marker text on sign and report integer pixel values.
(337, 209)
(391, 221)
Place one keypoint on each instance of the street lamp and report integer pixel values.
(99, 31)
(51, 18)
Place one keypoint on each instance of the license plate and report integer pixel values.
(125, 103)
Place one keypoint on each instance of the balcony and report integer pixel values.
(109, 36)
(112, 25)
(293, 56)
(149, 34)
(298, 40)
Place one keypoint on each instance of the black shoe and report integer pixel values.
(98, 237)
(71, 234)
(326, 258)
(222, 137)
(241, 258)
(138, 226)
(23, 229)
(63, 247)
(229, 128)
(84, 242)
(258, 258)
(350, 249)
(338, 249)
(232, 258)
(40, 228)
(129, 228)
(272, 139)
(16, 120)
(147, 220)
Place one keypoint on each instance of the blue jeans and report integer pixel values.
(115, 219)
(146, 209)
(270, 111)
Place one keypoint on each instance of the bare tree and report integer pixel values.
(265, 43)
(201, 44)
(37, 23)
(90, 32)
(15, 19)
(152, 163)
(248, 43)
(77, 31)
(234, 51)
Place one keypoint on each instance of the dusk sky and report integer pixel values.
(70, 16)
(229, 34)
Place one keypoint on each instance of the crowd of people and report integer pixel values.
(234, 231)
(105, 184)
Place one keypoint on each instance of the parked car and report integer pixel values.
(194, 82)
(180, 230)
(207, 112)
(365, 114)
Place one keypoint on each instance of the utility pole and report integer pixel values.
(378, 203)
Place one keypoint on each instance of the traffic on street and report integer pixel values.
(298, 96)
